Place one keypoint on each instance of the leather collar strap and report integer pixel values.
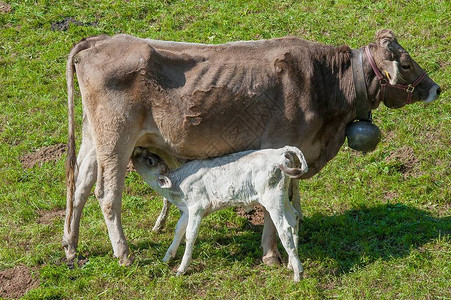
(408, 88)
(363, 111)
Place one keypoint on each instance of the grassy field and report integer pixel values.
(377, 226)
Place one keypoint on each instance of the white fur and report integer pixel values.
(241, 179)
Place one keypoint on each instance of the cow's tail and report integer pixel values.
(293, 163)
(71, 159)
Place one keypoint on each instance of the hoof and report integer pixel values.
(127, 261)
(298, 276)
(157, 228)
(272, 261)
(70, 253)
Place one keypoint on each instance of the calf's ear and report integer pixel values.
(164, 182)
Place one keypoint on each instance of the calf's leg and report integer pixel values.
(192, 230)
(180, 230)
(281, 218)
(296, 203)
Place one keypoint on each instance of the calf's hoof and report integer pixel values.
(298, 274)
(166, 258)
(157, 228)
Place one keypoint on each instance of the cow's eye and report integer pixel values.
(405, 67)
(151, 161)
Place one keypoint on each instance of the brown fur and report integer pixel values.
(191, 101)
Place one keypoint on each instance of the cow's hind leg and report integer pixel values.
(112, 167)
(84, 180)
(115, 137)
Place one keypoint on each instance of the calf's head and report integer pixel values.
(399, 75)
(151, 167)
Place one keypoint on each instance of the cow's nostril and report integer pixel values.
(439, 90)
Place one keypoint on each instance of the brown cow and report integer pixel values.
(190, 101)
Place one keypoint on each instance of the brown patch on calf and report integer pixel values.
(16, 282)
(45, 154)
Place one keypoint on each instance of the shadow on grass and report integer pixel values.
(355, 238)
(361, 236)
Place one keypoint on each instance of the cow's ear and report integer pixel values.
(164, 182)
(385, 39)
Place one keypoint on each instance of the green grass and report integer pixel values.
(376, 225)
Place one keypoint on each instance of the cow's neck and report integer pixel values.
(372, 83)
(362, 107)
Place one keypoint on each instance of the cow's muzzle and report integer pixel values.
(434, 93)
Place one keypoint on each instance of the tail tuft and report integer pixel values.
(293, 164)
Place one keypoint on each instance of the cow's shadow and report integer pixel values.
(356, 237)
(361, 236)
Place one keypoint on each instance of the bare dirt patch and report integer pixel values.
(47, 217)
(45, 154)
(256, 216)
(405, 160)
(5, 8)
(64, 24)
(16, 282)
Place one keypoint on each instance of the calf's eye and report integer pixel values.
(150, 161)
(406, 67)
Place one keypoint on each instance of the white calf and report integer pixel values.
(241, 179)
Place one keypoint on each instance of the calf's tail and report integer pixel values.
(293, 164)
(71, 160)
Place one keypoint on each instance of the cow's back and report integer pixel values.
(199, 101)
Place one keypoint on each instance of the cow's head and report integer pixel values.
(400, 74)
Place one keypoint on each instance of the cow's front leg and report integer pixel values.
(271, 255)
(110, 182)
